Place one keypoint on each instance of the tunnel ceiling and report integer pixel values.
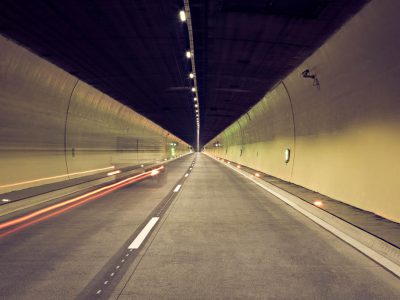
(135, 50)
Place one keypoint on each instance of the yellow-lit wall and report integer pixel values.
(344, 137)
(52, 124)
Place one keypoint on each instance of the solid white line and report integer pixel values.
(178, 187)
(388, 264)
(142, 235)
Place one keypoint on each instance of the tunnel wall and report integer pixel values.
(344, 137)
(57, 127)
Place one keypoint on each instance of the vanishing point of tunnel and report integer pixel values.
(199, 149)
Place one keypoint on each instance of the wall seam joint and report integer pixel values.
(65, 126)
(294, 128)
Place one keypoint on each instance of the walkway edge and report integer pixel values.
(378, 250)
(31, 202)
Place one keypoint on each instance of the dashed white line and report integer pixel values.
(178, 187)
(117, 267)
(122, 260)
(112, 274)
(98, 292)
(142, 235)
(186, 175)
(105, 282)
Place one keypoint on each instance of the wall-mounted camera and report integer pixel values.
(308, 74)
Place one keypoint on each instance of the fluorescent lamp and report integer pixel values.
(182, 15)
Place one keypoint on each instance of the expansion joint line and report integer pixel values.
(66, 126)
(294, 128)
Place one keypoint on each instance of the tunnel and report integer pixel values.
(199, 149)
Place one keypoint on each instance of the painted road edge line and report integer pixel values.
(143, 234)
(380, 259)
(178, 187)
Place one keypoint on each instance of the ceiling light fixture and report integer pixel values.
(195, 98)
(188, 54)
(182, 15)
(193, 89)
(191, 75)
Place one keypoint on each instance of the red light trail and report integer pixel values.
(71, 203)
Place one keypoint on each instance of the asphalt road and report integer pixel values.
(222, 237)
(226, 238)
(62, 257)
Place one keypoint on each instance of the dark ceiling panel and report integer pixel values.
(133, 50)
(301, 8)
(243, 48)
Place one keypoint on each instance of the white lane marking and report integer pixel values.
(112, 274)
(105, 282)
(117, 267)
(142, 235)
(186, 175)
(178, 187)
(380, 259)
(5, 200)
(127, 255)
(98, 292)
(122, 260)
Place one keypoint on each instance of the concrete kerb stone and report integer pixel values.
(375, 248)
(43, 198)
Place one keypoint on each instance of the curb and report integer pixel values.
(378, 250)
(41, 199)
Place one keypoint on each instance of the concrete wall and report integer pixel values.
(344, 137)
(53, 125)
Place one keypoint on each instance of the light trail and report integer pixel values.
(71, 203)
(55, 177)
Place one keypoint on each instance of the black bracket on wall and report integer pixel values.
(307, 74)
